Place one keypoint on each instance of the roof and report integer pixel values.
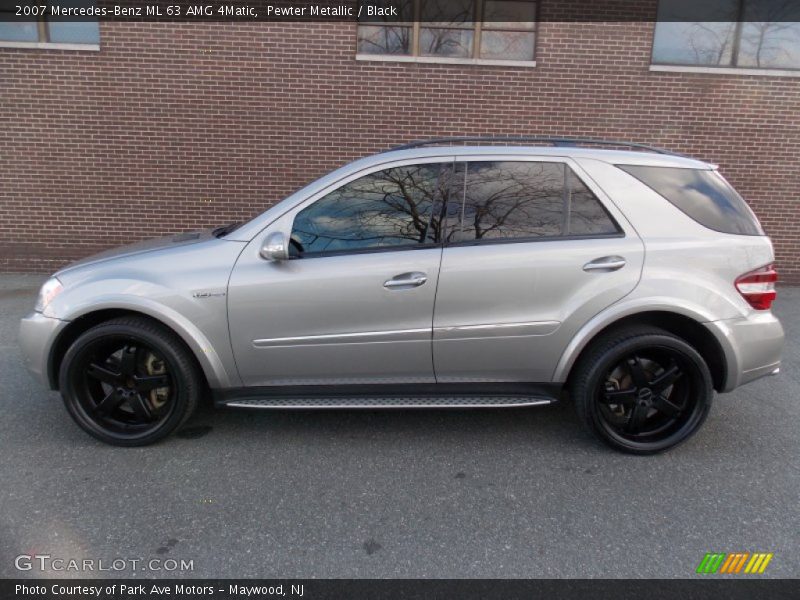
(618, 157)
(623, 157)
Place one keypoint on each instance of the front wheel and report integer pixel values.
(129, 382)
(642, 390)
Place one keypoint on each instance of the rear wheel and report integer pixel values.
(129, 382)
(642, 390)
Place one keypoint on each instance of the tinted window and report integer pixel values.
(522, 199)
(703, 195)
(390, 208)
(512, 200)
(587, 216)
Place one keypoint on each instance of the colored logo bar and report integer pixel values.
(734, 563)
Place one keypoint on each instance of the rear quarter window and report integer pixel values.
(701, 194)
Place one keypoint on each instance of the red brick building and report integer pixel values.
(170, 126)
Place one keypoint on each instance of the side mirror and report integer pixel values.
(275, 247)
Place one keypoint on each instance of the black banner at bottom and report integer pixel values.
(313, 589)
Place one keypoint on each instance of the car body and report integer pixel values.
(494, 305)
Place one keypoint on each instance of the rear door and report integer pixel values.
(533, 250)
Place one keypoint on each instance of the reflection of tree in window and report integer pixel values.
(513, 200)
(383, 40)
(728, 33)
(771, 35)
(454, 35)
(387, 208)
(461, 29)
(446, 42)
(586, 215)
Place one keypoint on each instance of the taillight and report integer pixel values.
(758, 287)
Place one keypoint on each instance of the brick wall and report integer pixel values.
(172, 127)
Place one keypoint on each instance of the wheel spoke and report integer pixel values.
(128, 362)
(146, 383)
(103, 374)
(664, 405)
(619, 396)
(140, 407)
(637, 372)
(108, 404)
(637, 418)
(666, 379)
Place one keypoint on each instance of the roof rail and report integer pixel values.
(555, 141)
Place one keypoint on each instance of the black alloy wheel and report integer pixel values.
(642, 391)
(129, 381)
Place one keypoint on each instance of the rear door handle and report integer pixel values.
(406, 280)
(606, 263)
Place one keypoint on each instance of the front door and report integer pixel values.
(354, 303)
(532, 253)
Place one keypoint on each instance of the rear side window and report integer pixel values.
(507, 200)
(703, 195)
(586, 215)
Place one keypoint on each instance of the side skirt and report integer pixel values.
(440, 395)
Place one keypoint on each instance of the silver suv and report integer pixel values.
(439, 274)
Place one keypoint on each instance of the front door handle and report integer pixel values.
(606, 263)
(406, 280)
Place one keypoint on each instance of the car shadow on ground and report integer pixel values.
(554, 422)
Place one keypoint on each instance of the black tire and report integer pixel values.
(641, 390)
(130, 381)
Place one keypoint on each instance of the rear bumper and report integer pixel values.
(752, 347)
(37, 334)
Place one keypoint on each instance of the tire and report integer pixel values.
(642, 390)
(130, 381)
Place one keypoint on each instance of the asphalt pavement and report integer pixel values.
(480, 493)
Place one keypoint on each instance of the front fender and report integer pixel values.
(188, 317)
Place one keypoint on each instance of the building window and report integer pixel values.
(454, 30)
(49, 31)
(747, 34)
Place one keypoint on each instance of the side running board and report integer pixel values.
(381, 397)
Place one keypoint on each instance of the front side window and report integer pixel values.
(461, 29)
(506, 200)
(390, 209)
(762, 34)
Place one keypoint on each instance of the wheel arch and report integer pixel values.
(689, 328)
(213, 374)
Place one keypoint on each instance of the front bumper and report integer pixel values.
(37, 334)
(752, 347)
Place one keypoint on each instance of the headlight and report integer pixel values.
(51, 288)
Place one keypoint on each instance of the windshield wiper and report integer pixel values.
(225, 229)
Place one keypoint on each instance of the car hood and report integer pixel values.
(170, 241)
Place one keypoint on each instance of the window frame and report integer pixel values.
(576, 171)
(732, 68)
(477, 28)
